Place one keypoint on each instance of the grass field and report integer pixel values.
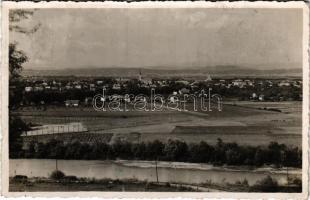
(251, 123)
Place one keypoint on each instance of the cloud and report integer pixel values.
(162, 37)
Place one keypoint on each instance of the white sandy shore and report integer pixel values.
(201, 166)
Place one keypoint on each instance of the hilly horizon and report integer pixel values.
(220, 71)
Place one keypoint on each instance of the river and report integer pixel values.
(146, 170)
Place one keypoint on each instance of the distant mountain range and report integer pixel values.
(216, 71)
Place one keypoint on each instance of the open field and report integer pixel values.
(250, 123)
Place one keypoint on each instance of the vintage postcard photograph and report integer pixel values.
(183, 99)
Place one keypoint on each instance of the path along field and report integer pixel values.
(249, 123)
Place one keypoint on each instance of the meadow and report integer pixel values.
(249, 123)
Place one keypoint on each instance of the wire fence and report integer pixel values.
(57, 129)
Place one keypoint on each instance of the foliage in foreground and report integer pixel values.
(173, 150)
(267, 184)
(57, 175)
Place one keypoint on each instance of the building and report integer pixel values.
(284, 83)
(116, 86)
(28, 89)
(173, 99)
(78, 87)
(249, 82)
(99, 82)
(72, 103)
(239, 83)
(140, 75)
(208, 78)
(183, 82)
(184, 91)
(88, 100)
(38, 88)
(68, 87)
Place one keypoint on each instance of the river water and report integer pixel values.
(167, 172)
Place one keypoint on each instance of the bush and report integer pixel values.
(148, 185)
(297, 181)
(167, 184)
(266, 185)
(20, 178)
(245, 182)
(57, 175)
(71, 178)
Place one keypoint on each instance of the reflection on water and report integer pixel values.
(115, 170)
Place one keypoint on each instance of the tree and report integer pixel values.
(15, 16)
(219, 156)
(233, 157)
(73, 150)
(275, 151)
(122, 149)
(154, 149)
(260, 157)
(139, 150)
(16, 60)
(201, 153)
(99, 151)
(31, 151)
(57, 175)
(41, 150)
(16, 128)
(176, 150)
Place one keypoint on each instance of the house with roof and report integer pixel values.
(184, 91)
(72, 103)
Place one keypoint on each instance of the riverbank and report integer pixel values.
(71, 183)
(83, 184)
(168, 172)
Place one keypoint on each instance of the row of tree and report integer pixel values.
(173, 150)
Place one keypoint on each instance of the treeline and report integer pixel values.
(173, 150)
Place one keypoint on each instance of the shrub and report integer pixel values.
(57, 175)
(148, 185)
(20, 178)
(70, 178)
(266, 185)
(297, 181)
(245, 182)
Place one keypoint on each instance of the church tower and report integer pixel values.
(140, 75)
(208, 78)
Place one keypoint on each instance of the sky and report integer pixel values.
(162, 38)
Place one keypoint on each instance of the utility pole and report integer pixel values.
(156, 170)
(287, 175)
(56, 165)
(286, 162)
